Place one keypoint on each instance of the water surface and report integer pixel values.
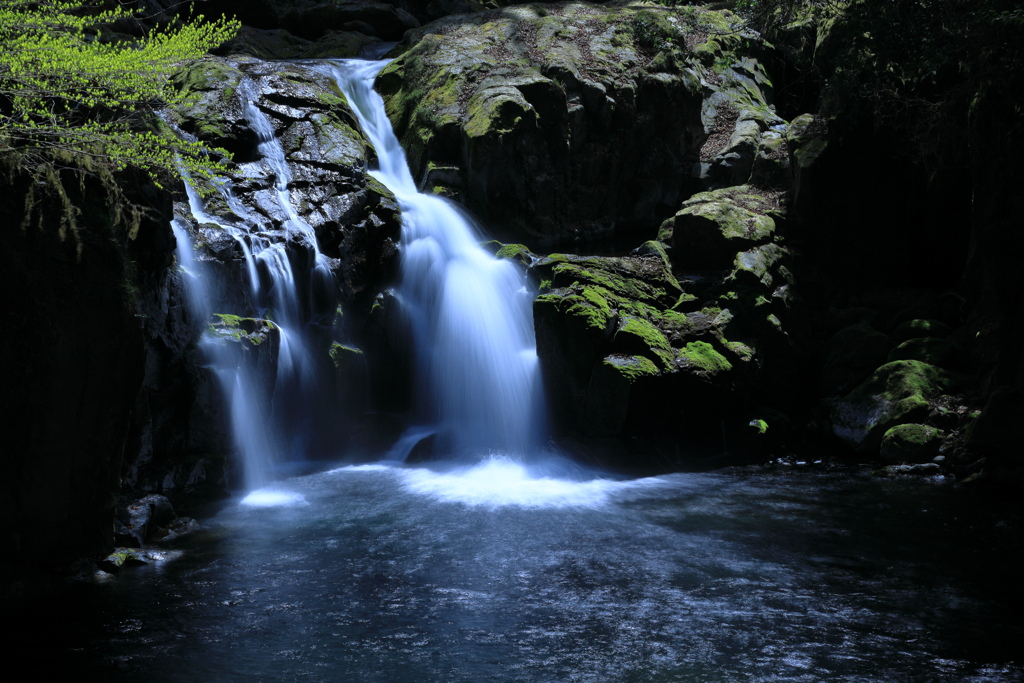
(380, 573)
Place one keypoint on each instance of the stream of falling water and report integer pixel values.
(479, 390)
(479, 399)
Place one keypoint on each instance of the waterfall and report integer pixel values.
(285, 275)
(477, 383)
(471, 314)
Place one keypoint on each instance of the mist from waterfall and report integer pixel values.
(478, 386)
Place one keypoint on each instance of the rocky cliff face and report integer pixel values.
(74, 353)
(597, 127)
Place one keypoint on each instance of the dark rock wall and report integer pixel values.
(74, 354)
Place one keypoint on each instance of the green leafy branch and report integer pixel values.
(70, 93)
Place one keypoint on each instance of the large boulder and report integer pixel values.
(900, 392)
(566, 124)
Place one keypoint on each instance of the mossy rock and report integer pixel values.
(918, 328)
(896, 393)
(556, 115)
(252, 331)
(704, 358)
(911, 443)
(942, 352)
(515, 252)
(210, 84)
(711, 227)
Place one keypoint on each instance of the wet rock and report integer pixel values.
(176, 528)
(354, 217)
(139, 519)
(926, 469)
(121, 557)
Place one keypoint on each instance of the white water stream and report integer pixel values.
(478, 377)
(479, 400)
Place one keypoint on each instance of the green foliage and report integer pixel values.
(72, 95)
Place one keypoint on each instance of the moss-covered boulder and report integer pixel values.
(911, 443)
(628, 349)
(937, 351)
(711, 227)
(896, 393)
(917, 328)
(575, 121)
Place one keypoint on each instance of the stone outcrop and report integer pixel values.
(565, 124)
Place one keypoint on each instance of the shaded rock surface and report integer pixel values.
(569, 123)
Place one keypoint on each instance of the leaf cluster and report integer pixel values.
(72, 91)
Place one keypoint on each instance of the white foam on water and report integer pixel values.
(502, 481)
(367, 467)
(265, 498)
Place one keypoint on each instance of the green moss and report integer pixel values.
(340, 352)
(741, 350)
(251, 330)
(632, 367)
(229, 320)
(515, 252)
(760, 425)
(645, 331)
(703, 356)
(591, 306)
(497, 111)
(626, 287)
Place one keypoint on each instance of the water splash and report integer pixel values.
(500, 481)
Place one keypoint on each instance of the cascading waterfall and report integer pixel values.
(478, 386)
(286, 276)
(478, 377)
